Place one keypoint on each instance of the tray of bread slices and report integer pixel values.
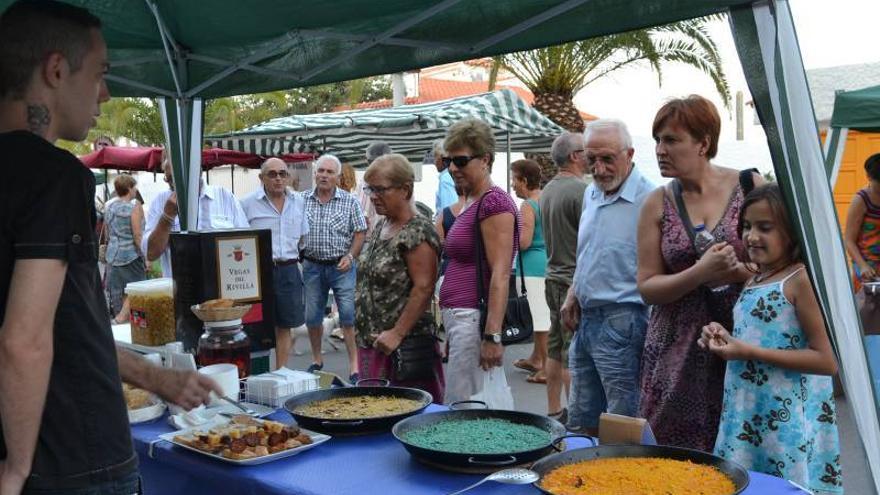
(246, 441)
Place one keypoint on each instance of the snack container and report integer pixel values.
(152, 311)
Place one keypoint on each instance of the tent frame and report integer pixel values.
(768, 50)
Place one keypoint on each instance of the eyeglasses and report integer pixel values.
(272, 174)
(606, 160)
(459, 161)
(377, 190)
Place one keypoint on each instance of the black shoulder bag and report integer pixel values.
(416, 357)
(517, 325)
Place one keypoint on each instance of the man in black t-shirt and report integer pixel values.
(64, 420)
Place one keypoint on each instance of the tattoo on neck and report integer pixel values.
(38, 118)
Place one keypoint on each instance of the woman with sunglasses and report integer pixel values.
(489, 210)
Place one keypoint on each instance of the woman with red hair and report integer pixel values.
(688, 284)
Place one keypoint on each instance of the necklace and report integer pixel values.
(765, 275)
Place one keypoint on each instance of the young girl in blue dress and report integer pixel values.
(778, 415)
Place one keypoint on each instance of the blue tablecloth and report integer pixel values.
(364, 465)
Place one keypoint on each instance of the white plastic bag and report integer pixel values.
(496, 393)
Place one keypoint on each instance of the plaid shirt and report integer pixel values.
(332, 225)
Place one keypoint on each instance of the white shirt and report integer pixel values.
(218, 210)
(287, 227)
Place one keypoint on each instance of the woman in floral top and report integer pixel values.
(396, 276)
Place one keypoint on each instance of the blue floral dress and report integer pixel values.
(774, 420)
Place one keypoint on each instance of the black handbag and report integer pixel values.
(518, 325)
(416, 357)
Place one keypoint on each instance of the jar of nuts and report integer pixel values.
(152, 311)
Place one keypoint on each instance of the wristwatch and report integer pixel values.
(494, 338)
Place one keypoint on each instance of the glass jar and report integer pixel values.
(225, 342)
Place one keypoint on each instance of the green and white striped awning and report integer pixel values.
(408, 129)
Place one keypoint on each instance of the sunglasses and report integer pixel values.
(459, 161)
(272, 174)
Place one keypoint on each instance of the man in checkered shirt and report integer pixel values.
(337, 229)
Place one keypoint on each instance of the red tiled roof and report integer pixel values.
(441, 89)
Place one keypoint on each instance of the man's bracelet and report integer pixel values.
(168, 218)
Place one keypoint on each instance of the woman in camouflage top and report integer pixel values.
(396, 276)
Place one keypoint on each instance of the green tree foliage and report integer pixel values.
(138, 119)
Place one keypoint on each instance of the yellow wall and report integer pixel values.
(851, 178)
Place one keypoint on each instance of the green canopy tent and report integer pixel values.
(407, 129)
(858, 110)
(184, 52)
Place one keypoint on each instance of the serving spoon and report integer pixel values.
(512, 476)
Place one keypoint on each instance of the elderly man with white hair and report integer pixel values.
(276, 207)
(336, 234)
(604, 302)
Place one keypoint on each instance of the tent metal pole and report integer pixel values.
(412, 21)
(244, 63)
(508, 161)
(529, 23)
(317, 33)
(253, 68)
(168, 43)
(138, 85)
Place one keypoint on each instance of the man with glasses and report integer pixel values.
(218, 209)
(276, 207)
(606, 350)
(332, 244)
(561, 203)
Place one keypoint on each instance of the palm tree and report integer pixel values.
(555, 74)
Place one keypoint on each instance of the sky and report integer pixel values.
(827, 35)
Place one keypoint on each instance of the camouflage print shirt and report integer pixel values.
(383, 283)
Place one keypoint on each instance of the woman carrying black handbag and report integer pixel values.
(396, 276)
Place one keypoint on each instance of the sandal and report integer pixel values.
(524, 364)
(537, 377)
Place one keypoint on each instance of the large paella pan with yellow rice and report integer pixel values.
(639, 469)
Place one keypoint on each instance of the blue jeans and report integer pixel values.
(129, 485)
(318, 280)
(604, 362)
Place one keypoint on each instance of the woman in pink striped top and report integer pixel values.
(470, 151)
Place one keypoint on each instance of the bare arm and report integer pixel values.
(186, 388)
(855, 216)
(26, 353)
(817, 358)
(659, 287)
(438, 226)
(421, 265)
(137, 224)
(527, 227)
(158, 240)
(497, 232)
(358, 242)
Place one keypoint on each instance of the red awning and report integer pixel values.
(150, 159)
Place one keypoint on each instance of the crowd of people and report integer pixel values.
(719, 344)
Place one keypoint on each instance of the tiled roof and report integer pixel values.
(825, 82)
(441, 89)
